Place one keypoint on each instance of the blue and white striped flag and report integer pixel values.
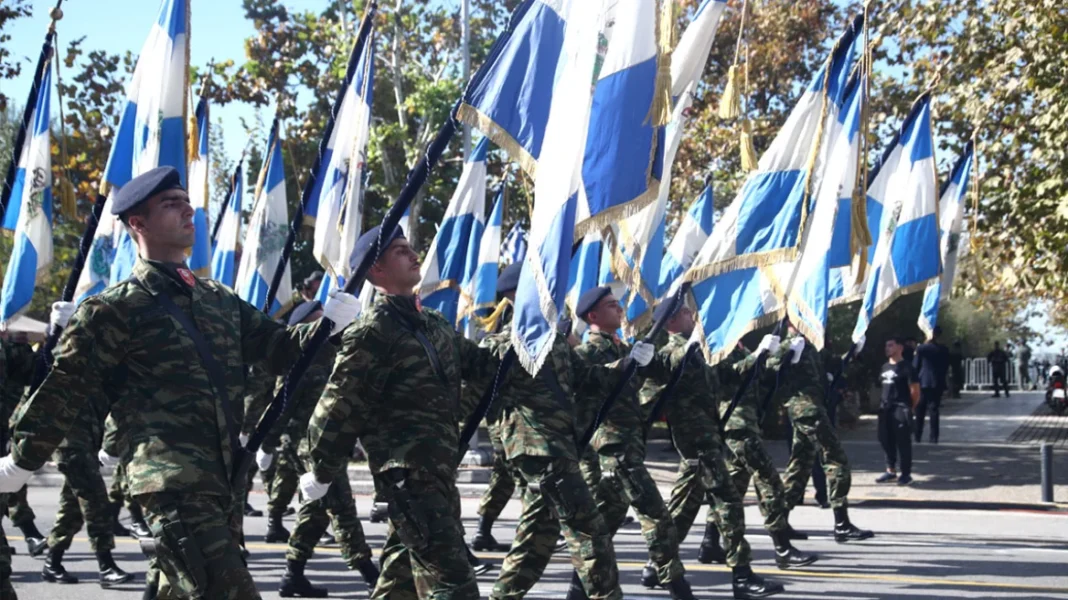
(224, 254)
(585, 268)
(734, 288)
(29, 203)
(478, 292)
(267, 231)
(905, 186)
(691, 235)
(447, 261)
(514, 248)
(951, 217)
(151, 134)
(199, 167)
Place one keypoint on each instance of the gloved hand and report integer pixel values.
(263, 459)
(61, 314)
(106, 460)
(12, 476)
(243, 438)
(642, 353)
(769, 344)
(859, 345)
(341, 309)
(310, 487)
(797, 346)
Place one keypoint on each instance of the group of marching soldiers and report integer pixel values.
(146, 376)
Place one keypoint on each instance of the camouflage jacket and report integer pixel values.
(733, 373)
(259, 391)
(386, 392)
(806, 378)
(17, 364)
(294, 421)
(163, 400)
(538, 418)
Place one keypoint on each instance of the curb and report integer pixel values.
(1050, 508)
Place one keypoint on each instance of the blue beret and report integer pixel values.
(589, 299)
(661, 310)
(509, 278)
(302, 311)
(143, 187)
(367, 243)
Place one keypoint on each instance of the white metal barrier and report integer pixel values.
(979, 376)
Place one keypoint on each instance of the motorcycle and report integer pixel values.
(1057, 391)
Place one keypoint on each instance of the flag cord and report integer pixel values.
(67, 201)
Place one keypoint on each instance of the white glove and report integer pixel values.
(263, 459)
(769, 344)
(642, 353)
(859, 345)
(797, 346)
(106, 460)
(61, 314)
(243, 438)
(341, 309)
(310, 487)
(12, 476)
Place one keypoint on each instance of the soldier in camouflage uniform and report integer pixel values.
(396, 388)
(119, 493)
(804, 389)
(16, 372)
(181, 442)
(337, 506)
(500, 489)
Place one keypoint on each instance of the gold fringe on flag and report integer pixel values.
(730, 105)
(749, 155)
(660, 111)
(68, 203)
(491, 321)
(192, 139)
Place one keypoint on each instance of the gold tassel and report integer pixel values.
(745, 143)
(490, 321)
(660, 111)
(68, 203)
(193, 139)
(730, 106)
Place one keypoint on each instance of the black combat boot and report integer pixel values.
(117, 528)
(138, 527)
(252, 512)
(368, 570)
(53, 568)
(711, 551)
(479, 567)
(110, 573)
(794, 534)
(650, 579)
(561, 544)
(788, 557)
(276, 533)
(680, 589)
(379, 512)
(328, 539)
(36, 542)
(290, 511)
(845, 530)
(748, 584)
(484, 540)
(296, 585)
(575, 591)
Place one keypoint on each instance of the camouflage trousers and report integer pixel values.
(439, 569)
(501, 483)
(313, 517)
(208, 526)
(7, 591)
(707, 475)
(118, 493)
(82, 501)
(813, 433)
(749, 460)
(287, 472)
(18, 508)
(624, 483)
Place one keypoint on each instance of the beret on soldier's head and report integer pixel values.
(302, 311)
(144, 186)
(367, 242)
(661, 310)
(508, 280)
(589, 299)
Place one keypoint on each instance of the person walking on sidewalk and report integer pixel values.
(999, 368)
(956, 368)
(901, 390)
(1023, 363)
(931, 363)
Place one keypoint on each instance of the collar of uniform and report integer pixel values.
(405, 305)
(156, 278)
(603, 341)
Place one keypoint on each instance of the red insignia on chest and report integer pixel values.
(187, 277)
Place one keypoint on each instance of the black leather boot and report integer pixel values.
(379, 512)
(561, 545)
(252, 512)
(788, 557)
(575, 591)
(138, 527)
(845, 530)
(276, 533)
(36, 542)
(117, 528)
(53, 568)
(794, 534)
(680, 589)
(328, 539)
(747, 584)
(711, 551)
(295, 585)
(477, 565)
(369, 571)
(650, 579)
(484, 540)
(110, 573)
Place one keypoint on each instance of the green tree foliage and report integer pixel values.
(9, 66)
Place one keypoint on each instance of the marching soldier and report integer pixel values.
(175, 347)
(16, 372)
(396, 388)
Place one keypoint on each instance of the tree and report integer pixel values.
(9, 67)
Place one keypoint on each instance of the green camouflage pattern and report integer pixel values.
(501, 484)
(336, 507)
(624, 425)
(178, 437)
(82, 501)
(18, 508)
(287, 472)
(749, 460)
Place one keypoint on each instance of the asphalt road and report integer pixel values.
(917, 553)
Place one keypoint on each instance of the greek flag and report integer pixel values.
(151, 134)
(514, 248)
(199, 167)
(338, 193)
(733, 285)
(950, 216)
(29, 203)
(478, 291)
(585, 268)
(267, 231)
(224, 254)
(451, 257)
(904, 188)
(691, 235)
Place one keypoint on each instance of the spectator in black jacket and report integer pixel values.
(999, 368)
(932, 363)
(956, 366)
